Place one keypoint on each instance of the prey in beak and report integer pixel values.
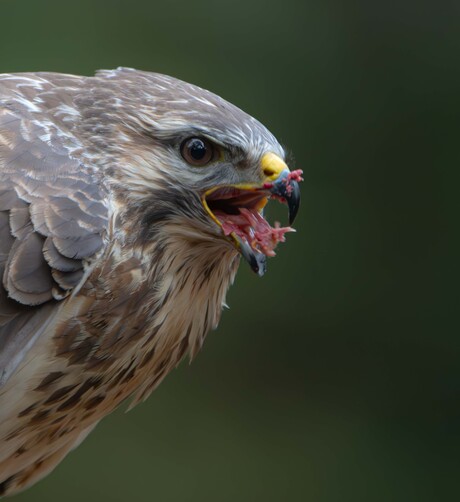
(239, 210)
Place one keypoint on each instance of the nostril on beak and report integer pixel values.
(269, 172)
(272, 166)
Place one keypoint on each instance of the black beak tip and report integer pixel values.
(289, 190)
(257, 261)
(293, 201)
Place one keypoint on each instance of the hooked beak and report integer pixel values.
(249, 199)
(281, 183)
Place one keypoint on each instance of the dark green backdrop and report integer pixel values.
(335, 377)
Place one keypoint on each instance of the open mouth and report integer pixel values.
(238, 210)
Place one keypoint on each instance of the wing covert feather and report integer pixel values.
(53, 219)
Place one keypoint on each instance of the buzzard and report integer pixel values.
(126, 202)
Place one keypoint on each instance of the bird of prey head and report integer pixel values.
(126, 200)
(192, 158)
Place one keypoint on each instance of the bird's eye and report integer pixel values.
(197, 151)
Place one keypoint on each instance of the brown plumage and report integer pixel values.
(114, 264)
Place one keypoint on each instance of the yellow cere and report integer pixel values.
(272, 166)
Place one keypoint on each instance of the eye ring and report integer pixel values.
(197, 151)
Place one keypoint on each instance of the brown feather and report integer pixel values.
(112, 269)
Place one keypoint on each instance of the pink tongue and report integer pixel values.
(252, 227)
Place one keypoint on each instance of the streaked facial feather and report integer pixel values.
(105, 152)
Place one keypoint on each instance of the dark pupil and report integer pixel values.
(197, 149)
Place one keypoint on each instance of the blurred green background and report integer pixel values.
(335, 377)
